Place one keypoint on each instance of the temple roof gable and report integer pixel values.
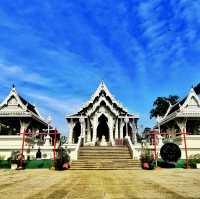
(18, 103)
(187, 106)
(102, 87)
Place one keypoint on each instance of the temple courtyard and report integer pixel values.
(100, 184)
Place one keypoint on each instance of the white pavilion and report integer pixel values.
(17, 116)
(102, 117)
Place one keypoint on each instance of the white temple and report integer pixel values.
(16, 117)
(102, 117)
(183, 116)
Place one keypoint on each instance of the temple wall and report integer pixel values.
(14, 143)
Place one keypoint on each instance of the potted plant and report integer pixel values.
(147, 161)
(63, 159)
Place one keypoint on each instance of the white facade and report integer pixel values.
(101, 117)
(11, 143)
(16, 117)
(183, 117)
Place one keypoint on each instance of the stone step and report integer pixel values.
(105, 167)
(105, 158)
(103, 163)
(99, 153)
(104, 148)
(111, 168)
(104, 151)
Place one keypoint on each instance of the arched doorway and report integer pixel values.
(76, 132)
(103, 128)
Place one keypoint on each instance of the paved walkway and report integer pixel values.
(37, 184)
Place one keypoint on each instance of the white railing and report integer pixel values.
(80, 140)
(134, 153)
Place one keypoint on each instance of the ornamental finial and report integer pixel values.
(13, 87)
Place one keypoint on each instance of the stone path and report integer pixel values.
(109, 184)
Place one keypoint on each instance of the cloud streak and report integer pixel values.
(57, 52)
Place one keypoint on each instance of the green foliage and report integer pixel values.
(30, 140)
(193, 160)
(147, 157)
(36, 164)
(161, 105)
(40, 142)
(180, 164)
(62, 158)
(5, 164)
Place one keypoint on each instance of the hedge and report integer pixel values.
(5, 164)
(29, 164)
(178, 164)
(38, 164)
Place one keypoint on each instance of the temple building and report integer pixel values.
(102, 119)
(183, 116)
(17, 115)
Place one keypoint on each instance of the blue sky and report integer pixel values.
(56, 52)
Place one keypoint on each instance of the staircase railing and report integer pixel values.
(77, 149)
(131, 147)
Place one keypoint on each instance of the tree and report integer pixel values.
(161, 105)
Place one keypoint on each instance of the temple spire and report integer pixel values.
(13, 87)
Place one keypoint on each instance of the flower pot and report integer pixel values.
(145, 165)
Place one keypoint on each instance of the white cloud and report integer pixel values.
(19, 73)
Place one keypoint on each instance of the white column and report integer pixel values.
(111, 124)
(121, 129)
(182, 125)
(126, 123)
(88, 131)
(94, 124)
(82, 122)
(71, 125)
(116, 129)
(23, 125)
(134, 133)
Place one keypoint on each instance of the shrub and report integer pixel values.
(181, 164)
(193, 160)
(147, 158)
(35, 164)
(62, 158)
(5, 164)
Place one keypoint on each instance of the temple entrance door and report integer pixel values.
(103, 129)
(76, 132)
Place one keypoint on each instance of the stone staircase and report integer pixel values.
(105, 158)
